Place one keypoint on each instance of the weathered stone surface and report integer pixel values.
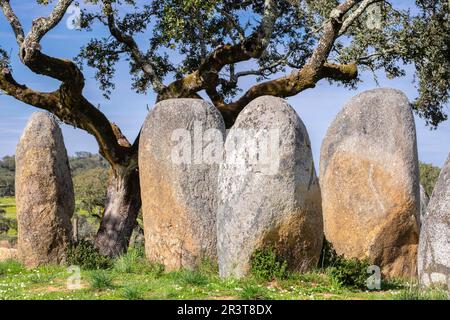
(370, 182)
(179, 186)
(274, 203)
(423, 204)
(434, 247)
(7, 254)
(44, 193)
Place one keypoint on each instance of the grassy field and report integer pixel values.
(9, 205)
(132, 278)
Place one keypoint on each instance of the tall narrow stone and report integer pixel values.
(179, 154)
(434, 247)
(269, 196)
(369, 177)
(44, 193)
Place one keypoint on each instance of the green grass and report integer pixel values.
(133, 278)
(132, 292)
(254, 292)
(101, 280)
(413, 292)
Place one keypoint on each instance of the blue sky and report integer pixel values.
(317, 107)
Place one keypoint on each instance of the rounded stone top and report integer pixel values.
(172, 111)
(377, 122)
(38, 130)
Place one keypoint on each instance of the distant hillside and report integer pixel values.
(83, 161)
(7, 171)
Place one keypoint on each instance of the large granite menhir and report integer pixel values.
(269, 196)
(434, 246)
(369, 178)
(44, 193)
(179, 181)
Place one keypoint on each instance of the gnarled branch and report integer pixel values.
(314, 70)
(206, 75)
(68, 102)
(22, 93)
(288, 86)
(132, 48)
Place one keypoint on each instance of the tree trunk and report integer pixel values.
(122, 207)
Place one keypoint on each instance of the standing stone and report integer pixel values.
(434, 247)
(423, 204)
(269, 196)
(44, 193)
(179, 181)
(369, 177)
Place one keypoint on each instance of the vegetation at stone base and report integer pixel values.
(350, 273)
(429, 175)
(345, 272)
(84, 254)
(10, 267)
(132, 277)
(267, 265)
(135, 262)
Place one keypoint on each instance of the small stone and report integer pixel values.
(44, 193)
